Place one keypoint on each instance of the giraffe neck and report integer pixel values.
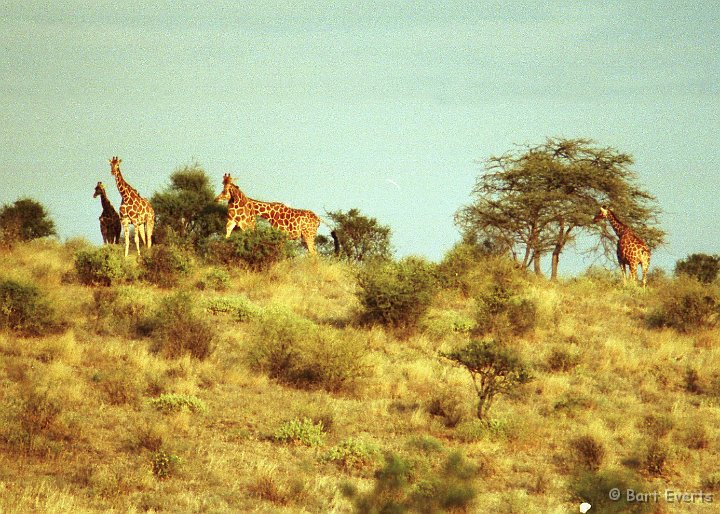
(237, 197)
(616, 224)
(106, 204)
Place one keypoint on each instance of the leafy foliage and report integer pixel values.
(256, 250)
(179, 329)
(103, 266)
(686, 305)
(396, 293)
(165, 264)
(185, 209)
(494, 369)
(177, 402)
(24, 220)
(303, 432)
(359, 237)
(702, 267)
(25, 309)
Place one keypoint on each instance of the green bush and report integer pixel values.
(164, 265)
(26, 310)
(700, 266)
(303, 432)
(353, 454)
(104, 266)
(177, 402)
(396, 294)
(256, 250)
(124, 311)
(216, 279)
(178, 328)
(297, 352)
(686, 305)
(503, 310)
(238, 306)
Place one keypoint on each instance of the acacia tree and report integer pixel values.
(536, 199)
(186, 207)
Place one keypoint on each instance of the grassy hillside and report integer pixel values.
(235, 391)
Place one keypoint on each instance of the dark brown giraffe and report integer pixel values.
(631, 250)
(110, 226)
(242, 211)
(134, 210)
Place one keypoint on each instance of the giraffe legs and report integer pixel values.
(149, 226)
(126, 229)
(229, 226)
(310, 243)
(139, 230)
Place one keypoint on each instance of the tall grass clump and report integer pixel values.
(396, 294)
(686, 305)
(104, 266)
(297, 352)
(255, 250)
(25, 309)
(124, 311)
(179, 328)
(165, 265)
(504, 310)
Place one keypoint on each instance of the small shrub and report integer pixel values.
(123, 311)
(164, 265)
(104, 266)
(119, 385)
(657, 426)
(495, 369)
(26, 310)
(396, 294)
(297, 352)
(503, 310)
(216, 279)
(693, 383)
(655, 458)
(299, 432)
(177, 402)
(164, 464)
(448, 405)
(353, 454)
(588, 452)
(180, 329)
(687, 306)
(256, 250)
(239, 307)
(562, 360)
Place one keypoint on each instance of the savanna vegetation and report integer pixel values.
(240, 375)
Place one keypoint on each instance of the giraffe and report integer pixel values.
(631, 250)
(134, 210)
(110, 226)
(242, 211)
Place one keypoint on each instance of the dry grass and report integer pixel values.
(80, 432)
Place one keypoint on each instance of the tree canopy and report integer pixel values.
(360, 238)
(186, 207)
(536, 199)
(24, 220)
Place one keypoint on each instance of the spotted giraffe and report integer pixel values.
(631, 250)
(242, 211)
(134, 210)
(110, 226)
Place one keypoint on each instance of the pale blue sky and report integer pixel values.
(384, 106)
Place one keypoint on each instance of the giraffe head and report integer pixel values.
(115, 166)
(230, 191)
(602, 214)
(99, 190)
